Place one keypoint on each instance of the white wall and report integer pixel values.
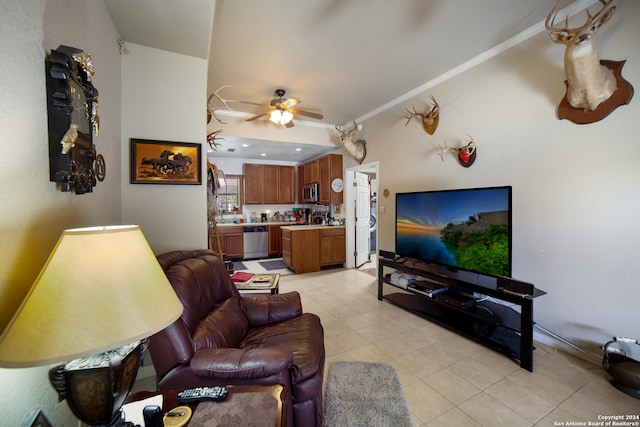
(33, 211)
(576, 233)
(164, 98)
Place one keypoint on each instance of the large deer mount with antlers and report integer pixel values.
(429, 118)
(594, 88)
(355, 146)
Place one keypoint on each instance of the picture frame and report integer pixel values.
(165, 162)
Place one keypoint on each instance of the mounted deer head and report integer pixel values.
(466, 154)
(357, 148)
(430, 119)
(588, 82)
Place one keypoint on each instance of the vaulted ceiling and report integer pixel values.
(345, 59)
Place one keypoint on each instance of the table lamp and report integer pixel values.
(99, 296)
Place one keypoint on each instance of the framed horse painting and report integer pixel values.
(165, 162)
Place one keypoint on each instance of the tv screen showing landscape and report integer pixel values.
(467, 229)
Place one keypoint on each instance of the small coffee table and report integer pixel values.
(262, 282)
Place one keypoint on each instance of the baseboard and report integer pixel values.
(558, 343)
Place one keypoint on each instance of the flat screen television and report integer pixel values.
(467, 229)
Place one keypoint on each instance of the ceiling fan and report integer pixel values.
(282, 110)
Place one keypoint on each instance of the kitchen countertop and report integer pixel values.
(287, 225)
(246, 224)
(309, 227)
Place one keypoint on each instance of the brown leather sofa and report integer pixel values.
(224, 338)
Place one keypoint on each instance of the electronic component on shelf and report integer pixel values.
(427, 287)
(456, 300)
(401, 279)
(513, 286)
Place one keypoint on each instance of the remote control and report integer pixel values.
(194, 395)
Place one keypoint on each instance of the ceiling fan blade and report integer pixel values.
(254, 103)
(289, 102)
(289, 124)
(266, 113)
(307, 113)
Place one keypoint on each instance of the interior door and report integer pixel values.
(363, 212)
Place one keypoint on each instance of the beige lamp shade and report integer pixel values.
(101, 288)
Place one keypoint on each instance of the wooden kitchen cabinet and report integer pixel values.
(268, 184)
(252, 183)
(231, 242)
(311, 174)
(286, 248)
(329, 168)
(323, 171)
(275, 240)
(332, 246)
(300, 250)
(286, 185)
(309, 248)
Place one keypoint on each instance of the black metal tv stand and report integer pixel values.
(466, 308)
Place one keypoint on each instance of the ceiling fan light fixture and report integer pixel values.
(281, 117)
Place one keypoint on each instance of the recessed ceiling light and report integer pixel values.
(298, 149)
(263, 154)
(245, 145)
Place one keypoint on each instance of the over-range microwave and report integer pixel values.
(310, 193)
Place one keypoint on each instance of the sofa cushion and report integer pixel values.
(303, 336)
(201, 282)
(224, 327)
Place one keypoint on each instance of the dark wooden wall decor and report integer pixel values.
(72, 109)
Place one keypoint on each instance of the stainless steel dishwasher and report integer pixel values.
(256, 241)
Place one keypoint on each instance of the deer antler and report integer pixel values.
(346, 135)
(551, 17)
(212, 139)
(445, 149)
(411, 115)
(224, 102)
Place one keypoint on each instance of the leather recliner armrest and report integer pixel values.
(235, 363)
(267, 309)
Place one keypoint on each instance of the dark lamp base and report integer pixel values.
(96, 387)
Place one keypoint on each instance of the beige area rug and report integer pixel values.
(364, 394)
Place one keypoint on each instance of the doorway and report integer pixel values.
(350, 204)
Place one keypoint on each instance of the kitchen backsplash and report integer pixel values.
(255, 211)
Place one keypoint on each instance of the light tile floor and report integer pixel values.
(449, 380)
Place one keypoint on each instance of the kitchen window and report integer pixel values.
(229, 196)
